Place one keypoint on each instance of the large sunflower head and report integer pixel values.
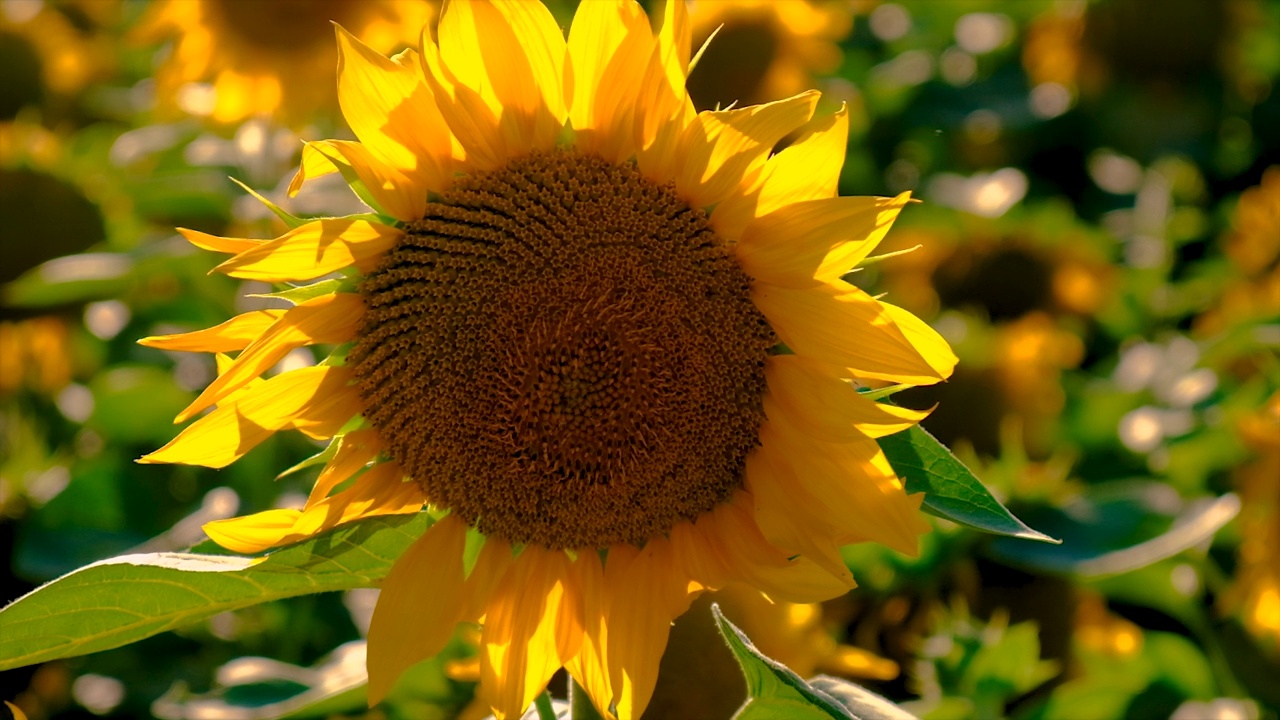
(602, 337)
(266, 58)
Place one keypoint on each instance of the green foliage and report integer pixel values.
(951, 490)
(969, 669)
(775, 692)
(125, 599)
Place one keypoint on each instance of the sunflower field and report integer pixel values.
(621, 359)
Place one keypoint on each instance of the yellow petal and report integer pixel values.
(588, 666)
(234, 334)
(848, 486)
(816, 241)
(609, 45)
(391, 191)
(827, 407)
(315, 249)
(698, 559)
(732, 531)
(808, 169)
(252, 533)
(674, 41)
(925, 339)
(326, 319)
(512, 56)
(664, 109)
(356, 449)
(646, 592)
(382, 490)
(724, 149)
(389, 107)
(420, 604)
(470, 119)
(491, 566)
(781, 516)
(213, 243)
(532, 626)
(314, 164)
(315, 400)
(839, 325)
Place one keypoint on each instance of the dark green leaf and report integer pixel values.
(951, 490)
(1123, 528)
(125, 599)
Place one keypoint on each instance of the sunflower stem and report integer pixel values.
(580, 707)
(545, 710)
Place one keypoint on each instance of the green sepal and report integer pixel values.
(693, 63)
(349, 175)
(471, 551)
(883, 392)
(338, 358)
(302, 293)
(872, 260)
(289, 219)
(319, 458)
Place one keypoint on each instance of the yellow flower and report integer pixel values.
(68, 40)
(763, 49)
(1255, 594)
(34, 353)
(567, 338)
(266, 58)
(1253, 246)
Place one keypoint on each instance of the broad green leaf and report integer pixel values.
(776, 708)
(951, 490)
(862, 703)
(125, 599)
(1119, 529)
(775, 691)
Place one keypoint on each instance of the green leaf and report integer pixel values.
(776, 691)
(951, 489)
(125, 599)
(862, 703)
(1120, 528)
(74, 278)
(263, 688)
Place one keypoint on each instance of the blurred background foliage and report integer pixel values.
(1099, 240)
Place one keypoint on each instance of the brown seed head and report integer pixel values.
(564, 353)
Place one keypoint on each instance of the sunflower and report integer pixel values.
(602, 337)
(763, 49)
(68, 41)
(1255, 592)
(265, 58)
(1252, 292)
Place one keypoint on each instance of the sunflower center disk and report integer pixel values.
(563, 353)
